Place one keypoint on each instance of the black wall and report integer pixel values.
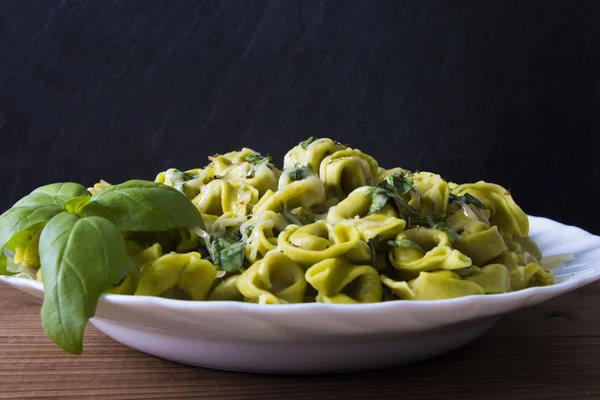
(504, 91)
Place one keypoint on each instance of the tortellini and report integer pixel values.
(262, 232)
(339, 281)
(346, 170)
(434, 193)
(353, 211)
(310, 244)
(311, 153)
(426, 250)
(436, 285)
(177, 275)
(505, 213)
(275, 279)
(332, 227)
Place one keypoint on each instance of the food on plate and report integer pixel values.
(333, 226)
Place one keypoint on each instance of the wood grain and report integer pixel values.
(551, 351)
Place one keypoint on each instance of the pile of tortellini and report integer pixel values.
(333, 227)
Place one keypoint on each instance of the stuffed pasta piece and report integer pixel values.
(181, 276)
(275, 279)
(436, 285)
(354, 211)
(419, 250)
(261, 233)
(321, 240)
(346, 170)
(339, 281)
(310, 153)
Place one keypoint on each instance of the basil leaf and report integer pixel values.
(258, 161)
(392, 188)
(76, 204)
(380, 197)
(452, 234)
(19, 239)
(54, 194)
(227, 250)
(409, 244)
(19, 219)
(400, 182)
(308, 141)
(80, 258)
(232, 257)
(298, 174)
(138, 205)
(467, 199)
(251, 158)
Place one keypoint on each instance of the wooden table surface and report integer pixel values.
(551, 351)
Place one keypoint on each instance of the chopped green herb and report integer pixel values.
(297, 174)
(452, 234)
(258, 161)
(227, 250)
(251, 158)
(392, 189)
(409, 244)
(467, 199)
(402, 184)
(308, 141)
(232, 257)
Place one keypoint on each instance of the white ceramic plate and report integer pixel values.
(317, 338)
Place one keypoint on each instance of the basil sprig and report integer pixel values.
(82, 250)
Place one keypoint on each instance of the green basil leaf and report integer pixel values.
(227, 250)
(392, 188)
(400, 182)
(258, 162)
(298, 174)
(308, 141)
(76, 204)
(54, 194)
(452, 234)
(19, 239)
(252, 158)
(379, 198)
(409, 244)
(138, 205)
(20, 219)
(467, 199)
(80, 258)
(232, 257)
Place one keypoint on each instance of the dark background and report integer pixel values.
(504, 91)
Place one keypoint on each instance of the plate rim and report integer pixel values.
(186, 305)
